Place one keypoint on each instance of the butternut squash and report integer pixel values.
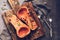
(23, 14)
(22, 30)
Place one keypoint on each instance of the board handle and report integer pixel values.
(14, 5)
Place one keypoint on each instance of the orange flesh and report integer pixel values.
(23, 10)
(23, 31)
(22, 13)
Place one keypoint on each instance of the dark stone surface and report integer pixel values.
(55, 15)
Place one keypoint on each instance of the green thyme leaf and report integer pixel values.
(10, 15)
(18, 24)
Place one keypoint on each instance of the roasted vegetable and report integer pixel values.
(22, 30)
(23, 14)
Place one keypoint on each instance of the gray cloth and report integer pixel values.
(4, 35)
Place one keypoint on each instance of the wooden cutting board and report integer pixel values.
(33, 35)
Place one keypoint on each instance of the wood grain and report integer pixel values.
(14, 5)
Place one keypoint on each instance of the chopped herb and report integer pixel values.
(10, 15)
(18, 24)
(16, 3)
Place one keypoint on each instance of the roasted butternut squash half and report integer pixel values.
(23, 14)
(22, 30)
